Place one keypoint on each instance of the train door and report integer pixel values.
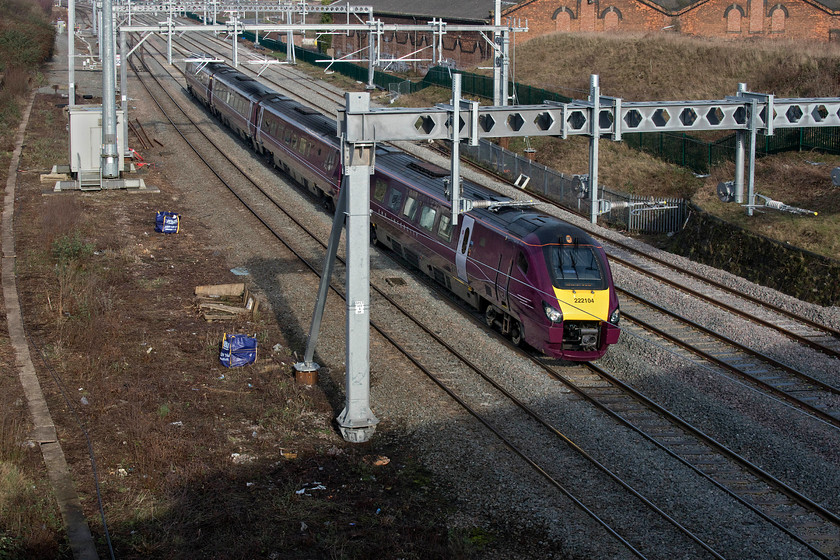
(464, 241)
(503, 285)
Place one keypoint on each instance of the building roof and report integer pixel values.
(475, 10)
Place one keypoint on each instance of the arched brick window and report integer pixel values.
(778, 15)
(563, 19)
(611, 16)
(733, 16)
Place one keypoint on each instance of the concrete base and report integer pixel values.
(107, 184)
(131, 185)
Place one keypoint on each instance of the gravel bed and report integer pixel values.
(490, 485)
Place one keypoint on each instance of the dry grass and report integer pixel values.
(669, 66)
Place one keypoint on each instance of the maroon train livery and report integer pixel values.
(538, 279)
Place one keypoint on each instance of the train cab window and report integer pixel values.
(573, 266)
(427, 217)
(410, 208)
(379, 190)
(394, 200)
(445, 227)
(522, 262)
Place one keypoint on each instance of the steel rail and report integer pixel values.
(427, 330)
(787, 396)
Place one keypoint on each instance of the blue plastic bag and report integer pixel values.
(238, 350)
(167, 222)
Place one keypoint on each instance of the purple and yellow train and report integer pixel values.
(538, 279)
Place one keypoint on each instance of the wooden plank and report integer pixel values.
(53, 177)
(222, 307)
(220, 290)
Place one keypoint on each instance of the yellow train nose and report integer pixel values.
(584, 305)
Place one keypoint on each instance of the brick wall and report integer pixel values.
(733, 19)
(461, 49)
(770, 19)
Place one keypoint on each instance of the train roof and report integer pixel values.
(518, 220)
(233, 77)
(302, 115)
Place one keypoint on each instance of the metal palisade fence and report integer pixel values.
(636, 215)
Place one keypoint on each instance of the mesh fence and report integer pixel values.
(629, 211)
(700, 156)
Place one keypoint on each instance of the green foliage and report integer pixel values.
(68, 248)
(10, 546)
(26, 35)
(26, 40)
(9, 110)
(325, 40)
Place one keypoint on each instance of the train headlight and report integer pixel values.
(553, 315)
(615, 317)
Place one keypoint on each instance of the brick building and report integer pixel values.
(736, 19)
(458, 49)
(773, 19)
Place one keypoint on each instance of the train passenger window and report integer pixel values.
(445, 227)
(294, 142)
(379, 191)
(287, 136)
(427, 217)
(410, 208)
(522, 262)
(394, 200)
(303, 147)
(329, 163)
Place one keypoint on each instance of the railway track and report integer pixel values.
(639, 541)
(793, 513)
(788, 510)
(817, 335)
(820, 399)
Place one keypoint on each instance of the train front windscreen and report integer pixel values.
(575, 267)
